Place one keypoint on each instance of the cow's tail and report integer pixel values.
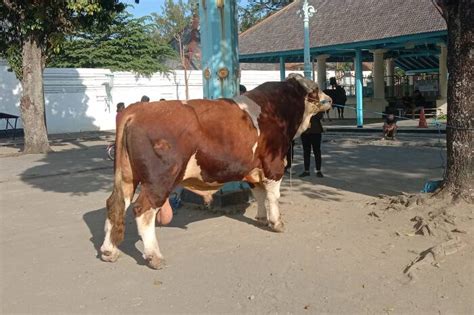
(116, 202)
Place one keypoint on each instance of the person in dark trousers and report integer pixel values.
(338, 95)
(289, 156)
(311, 139)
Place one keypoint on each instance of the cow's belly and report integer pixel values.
(209, 176)
(197, 184)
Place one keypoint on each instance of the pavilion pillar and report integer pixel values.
(321, 63)
(410, 84)
(359, 95)
(219, 42)
(220, 60)
(282, 69)
(378, 73)
(443, 72)
(390, 70)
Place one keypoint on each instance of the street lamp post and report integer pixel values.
(307, 12)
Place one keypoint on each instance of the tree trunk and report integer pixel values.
(459, 177)
(182, 56)
(32, 100)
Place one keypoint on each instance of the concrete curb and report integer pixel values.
(379, 130)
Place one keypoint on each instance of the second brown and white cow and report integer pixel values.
(202, 144)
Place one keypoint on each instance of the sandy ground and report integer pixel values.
(343, 252)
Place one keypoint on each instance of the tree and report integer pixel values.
(257, 10)
(171, 26)
(127, 40)
(459, 178)
(31, 31)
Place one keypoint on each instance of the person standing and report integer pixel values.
(289, 156)
(311, 139)
(338, 95)
(120, 108)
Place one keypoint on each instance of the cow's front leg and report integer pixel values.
(146, 229)
(272, 188)
(260, 195)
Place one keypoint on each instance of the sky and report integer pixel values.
(145, 7)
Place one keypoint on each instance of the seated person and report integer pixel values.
(390, 127)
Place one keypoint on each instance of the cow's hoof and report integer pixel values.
(262, 221)
(278, 227)
(153, 261)
(110, 256)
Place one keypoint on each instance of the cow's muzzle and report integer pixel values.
(321, 104)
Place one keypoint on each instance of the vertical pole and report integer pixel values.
(307, 62)
(378, 74)
(321, 64)
(282, 69)
(390, 69)
(219, 49)
(219, 45)
(308, 12)
(443, 72)
(359, 98)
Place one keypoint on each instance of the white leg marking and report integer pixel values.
(107, 247)
(273, 213)
(146, 230)
(108, 250)
(260, 195)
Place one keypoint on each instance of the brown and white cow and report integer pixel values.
(202, 144)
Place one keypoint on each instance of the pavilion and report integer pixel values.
(410, 35)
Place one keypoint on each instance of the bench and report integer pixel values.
(9, 125)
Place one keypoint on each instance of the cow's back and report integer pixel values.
(216, 133)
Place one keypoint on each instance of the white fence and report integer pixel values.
(85, 99)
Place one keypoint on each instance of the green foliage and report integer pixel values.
(125, 45)
(47, 22)
(171, 24)
(343, 66)
(257, 10)
(399, 72)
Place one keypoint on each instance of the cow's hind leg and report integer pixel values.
(145, 216)
(114, 228)
(260, 195)
(272, 188)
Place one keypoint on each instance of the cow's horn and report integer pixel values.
(309, 85)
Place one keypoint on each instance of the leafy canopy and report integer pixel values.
(125, 45)
(174, 20)
(47, 22)
(257, 10)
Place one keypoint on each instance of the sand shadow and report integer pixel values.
(185, 215)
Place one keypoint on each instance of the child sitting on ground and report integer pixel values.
(390, 127)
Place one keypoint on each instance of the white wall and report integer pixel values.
(85, 99)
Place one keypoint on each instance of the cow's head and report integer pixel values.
(316, 100)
